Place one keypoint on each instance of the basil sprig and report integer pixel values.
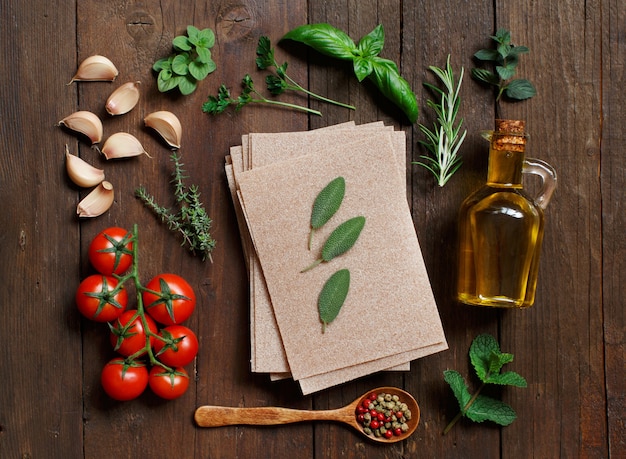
(365, 58)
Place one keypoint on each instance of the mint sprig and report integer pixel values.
(504, 60)
(487, 361)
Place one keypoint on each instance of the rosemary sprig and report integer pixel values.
(444, 141)
(191, 221)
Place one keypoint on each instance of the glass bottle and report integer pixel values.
(501, 227)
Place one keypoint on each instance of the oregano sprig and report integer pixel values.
(190, 63)
(444, 140)
(281, 82)
(487, 361)
(191, 220)
(504, 59)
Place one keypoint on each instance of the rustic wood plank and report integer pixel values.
(40, 336)
(558, 343)
(613, 175)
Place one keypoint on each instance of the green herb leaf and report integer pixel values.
(458, 386)
(326, 204)
(372, 44)
(362, 68)
(181, 43)
(343, 238)
(387, 79)
(187, 85)
(333, 296)
(487, 360)
(265, 53)
(489, 409)
(520, 89)
(325, 39)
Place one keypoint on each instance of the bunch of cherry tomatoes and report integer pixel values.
(152, 346)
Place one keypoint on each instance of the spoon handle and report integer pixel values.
(216, 416)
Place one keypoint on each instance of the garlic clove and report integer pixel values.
(167, 125)
(86, 123)
(122, 145)
(123, 99)
(81, 172)
(95, 68)
(97, 202)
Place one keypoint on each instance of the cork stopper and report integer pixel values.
(509, 135)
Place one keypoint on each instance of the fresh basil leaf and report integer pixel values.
(342, 238)
(386, 77)
(520, 89)
(333, 296)
(372, 44)
(325, 39)
(489, 409)
(362, 67)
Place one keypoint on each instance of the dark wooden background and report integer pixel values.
(570, 346)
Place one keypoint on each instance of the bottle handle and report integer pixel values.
(548, 177)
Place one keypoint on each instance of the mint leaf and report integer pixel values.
(489, 409)
(520, 89)
(480, 354)
(458, 386)
(509, 378)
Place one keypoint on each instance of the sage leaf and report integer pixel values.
(343, 238)
(333, 296)
(326, 204)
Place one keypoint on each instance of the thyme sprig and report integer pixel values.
(444, 141)
(191, 220)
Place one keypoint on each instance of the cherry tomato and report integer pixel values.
(124, 381)
(111, 251)
(98, 298)
(166, 384)
(178, 348)
(128, 337)
(173, 301)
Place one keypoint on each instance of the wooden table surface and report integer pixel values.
(570, 346)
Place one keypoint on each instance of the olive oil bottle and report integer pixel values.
(501, 227)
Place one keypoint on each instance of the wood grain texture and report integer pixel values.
(570, 346)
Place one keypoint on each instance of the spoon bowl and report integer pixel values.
(217, 416)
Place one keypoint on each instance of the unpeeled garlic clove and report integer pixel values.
(123, 99)
(81, 172)
(167, 125)
(95, 68)
(86, 123)
(97, 202)
(122, 145)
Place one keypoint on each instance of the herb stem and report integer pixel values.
(461, 413)
(286, 104)
(296, 87)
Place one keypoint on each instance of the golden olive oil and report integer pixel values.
(501, 229)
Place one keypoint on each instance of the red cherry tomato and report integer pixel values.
(128, 337)
(173, 300)
(178, 348)
(111, 251)
(98, 298)
(168, 384)
(124, 381)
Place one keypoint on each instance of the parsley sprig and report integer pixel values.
(218, 104)
(487, 361)
(281, 82)
(191, 220)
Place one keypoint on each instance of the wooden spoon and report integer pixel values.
(216, 416)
